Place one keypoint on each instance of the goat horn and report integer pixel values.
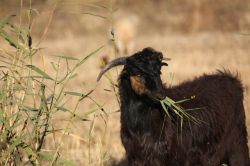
(115, 62)
(166, 59)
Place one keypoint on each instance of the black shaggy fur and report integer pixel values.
(151, 138)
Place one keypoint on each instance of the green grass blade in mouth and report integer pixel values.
(168, 103)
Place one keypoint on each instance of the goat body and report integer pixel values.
(151, 138)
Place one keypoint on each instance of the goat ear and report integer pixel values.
(137, 84)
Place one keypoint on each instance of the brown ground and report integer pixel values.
(194, 50)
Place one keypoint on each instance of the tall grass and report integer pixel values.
(30, 97)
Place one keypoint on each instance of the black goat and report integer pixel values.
(151, 138)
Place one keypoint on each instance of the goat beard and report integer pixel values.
(138, 86)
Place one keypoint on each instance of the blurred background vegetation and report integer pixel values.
(173, 16)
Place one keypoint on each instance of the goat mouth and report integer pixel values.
(114, 63)
(165, 59)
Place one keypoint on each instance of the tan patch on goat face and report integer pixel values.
(137, 85)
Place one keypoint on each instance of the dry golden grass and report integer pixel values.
(192, 55)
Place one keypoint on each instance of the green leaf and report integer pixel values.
(3, 136)
(177, 109)
(27, 29)
(91, 126)
(91, 111)
(67, 76)
(39, 71)
(87, 57)
(79, 94)
(6, 20)
(194, 109)
(84, 96)
(73, 76)
(67, 57)
(165, 108)
(72, 113)
(14, 43)
(36, 77)
(18, 30)
(182, 101)
(224, 165)
(28, 108)
(55, 67)
(177, 113)
(63, 109)
(74, 93)
(29, 151)
(60, 159)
